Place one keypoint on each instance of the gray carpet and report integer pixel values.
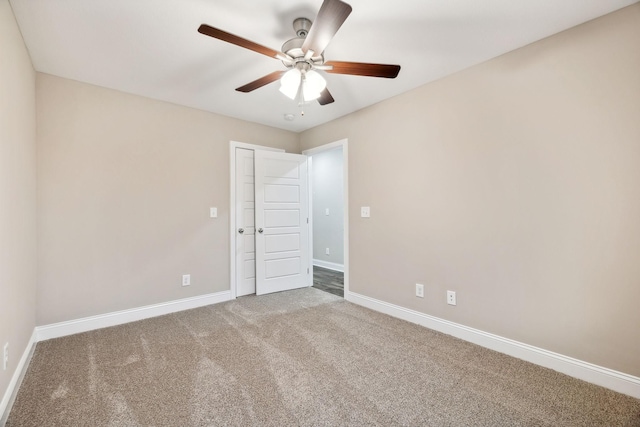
(298, 358)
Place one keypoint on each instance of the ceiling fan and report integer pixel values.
(303, 55)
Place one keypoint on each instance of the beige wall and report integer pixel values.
(125, 186)
(17, 194)
(515, 183)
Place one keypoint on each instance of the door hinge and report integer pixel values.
(307, 271)
(307, 220)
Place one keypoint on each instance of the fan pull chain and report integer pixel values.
(301, 92)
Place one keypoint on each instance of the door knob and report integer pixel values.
(240, 230)
(260, 230)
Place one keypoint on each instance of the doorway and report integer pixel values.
(328, 179)
(246, 222)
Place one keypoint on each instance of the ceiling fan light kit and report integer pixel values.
(309, 83)
(303, 55)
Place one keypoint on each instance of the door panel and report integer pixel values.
(248, 190)
(282, 267)
(281, 218)
(281, 212)
(282, 243)
(245, 220)
(282, 168)
(248, 214)
(250, 243)
(281, 193)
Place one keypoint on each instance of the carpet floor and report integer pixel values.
(298, 358)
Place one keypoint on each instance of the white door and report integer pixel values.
(282, 221)
(245, 224)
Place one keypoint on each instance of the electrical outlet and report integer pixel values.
(365, 212)
(451, 298)
(5, 357)
(326, 251)
(186, 279)
(419, 290)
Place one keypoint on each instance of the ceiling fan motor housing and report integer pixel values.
(301, 26)
(293, 47)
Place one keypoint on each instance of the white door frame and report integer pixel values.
(232, 205)
(344, 143)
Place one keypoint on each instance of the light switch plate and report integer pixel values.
(326, 211)
(365, 212)
(213, 212)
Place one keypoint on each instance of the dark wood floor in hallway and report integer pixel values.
(328, 280)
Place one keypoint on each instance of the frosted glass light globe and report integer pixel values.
(290, 82)
(312, 85)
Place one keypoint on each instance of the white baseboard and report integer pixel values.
(329, 265)
(11, 392)
(85, 324)
(605, 377)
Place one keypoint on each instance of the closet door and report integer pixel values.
(281, 221)
(245, 230)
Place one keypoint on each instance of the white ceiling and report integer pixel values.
(152, 48)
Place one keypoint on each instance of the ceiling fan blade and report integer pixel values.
(239, 41)
(331, 16)
(262, 81)
(325, 97)
(363, 69)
